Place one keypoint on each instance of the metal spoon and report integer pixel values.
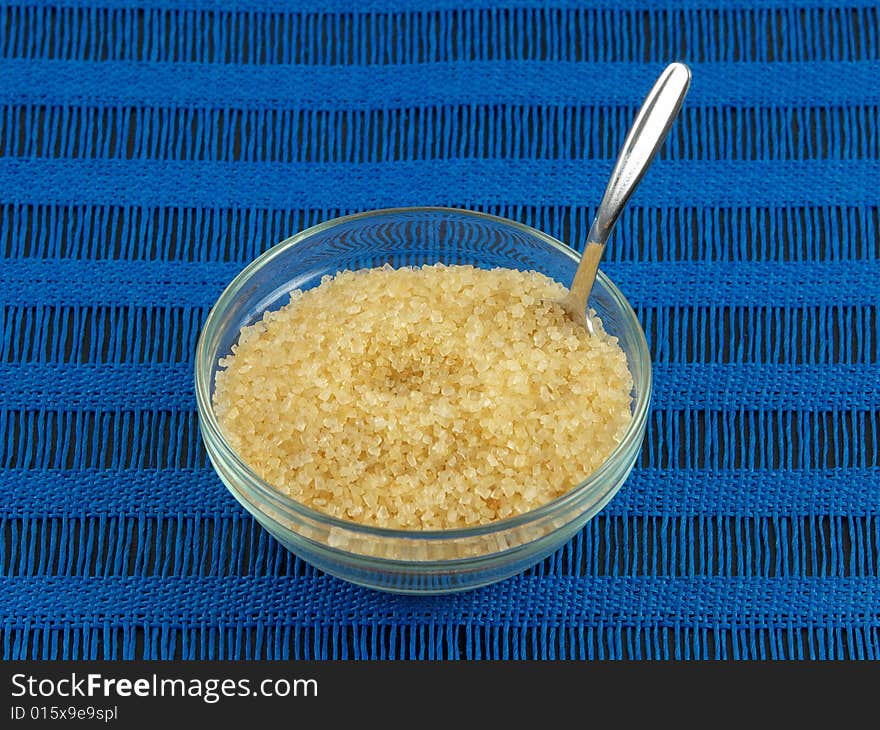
(644, 139)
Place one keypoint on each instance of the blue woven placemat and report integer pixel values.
(149, 150)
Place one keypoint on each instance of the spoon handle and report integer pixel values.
(641, 144)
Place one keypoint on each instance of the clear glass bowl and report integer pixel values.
(409, 561)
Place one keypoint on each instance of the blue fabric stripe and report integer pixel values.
(673, 183)
(527, 83)
(522, 601)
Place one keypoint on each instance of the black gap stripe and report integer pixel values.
(427, 133)
(604, 35)
(469, 640)
(680, 439)
(200, 545)
(810, 546)
(780, 234)
(108, 439)
(99, 334)
(810, 334)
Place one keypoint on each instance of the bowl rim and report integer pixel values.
(211, 427)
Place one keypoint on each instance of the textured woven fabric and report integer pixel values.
(149, 150)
